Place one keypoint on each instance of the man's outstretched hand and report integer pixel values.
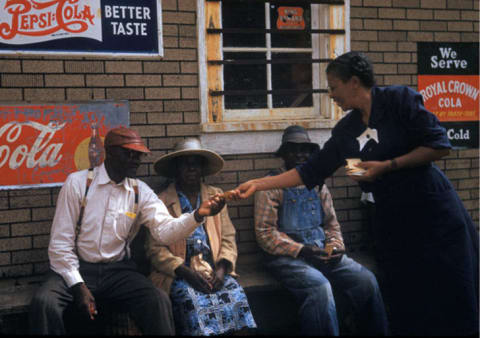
(212, 206)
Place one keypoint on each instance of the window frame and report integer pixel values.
(217, 132)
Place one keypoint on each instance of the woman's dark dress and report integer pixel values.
(427, 238)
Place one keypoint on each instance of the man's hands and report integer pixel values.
(320, 258)
(84, 300)
(210, 207)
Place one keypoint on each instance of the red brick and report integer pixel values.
(20, 80)
(29, 256)
(125, 93)
(39, 94)
(123, 67)
(143, 80)
(178, 18)
(11, 94)
(162, 93)
(34, 66)
(64, 81)
(433, 3)
(161, 67)
(17, 243)
(420, 14)
(84, 67)
(33, 228)
(10, 66)
(446, 37)
(183, 129)
(105, 80)
(446, 15)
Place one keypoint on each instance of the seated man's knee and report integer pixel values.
(159, 297)
(322, 292)
(45, 299)
(367, 280)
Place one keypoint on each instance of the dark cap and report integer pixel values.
(126, 138)
(295, 134)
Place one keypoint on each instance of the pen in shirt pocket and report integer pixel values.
(130, 214)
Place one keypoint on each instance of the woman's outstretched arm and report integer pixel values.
(288, 179)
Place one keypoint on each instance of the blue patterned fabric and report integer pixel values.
(200, 314)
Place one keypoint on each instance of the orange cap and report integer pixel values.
(126, 138)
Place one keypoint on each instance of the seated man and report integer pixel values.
(197, 272)
(299, 231)
(99, 211)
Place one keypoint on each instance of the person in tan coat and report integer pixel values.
(197, 272)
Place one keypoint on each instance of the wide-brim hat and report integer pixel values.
(295, 134)
(126, 138)
(189, 146)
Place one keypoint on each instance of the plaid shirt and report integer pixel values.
(275, 242)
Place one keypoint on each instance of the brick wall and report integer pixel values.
(164, 106)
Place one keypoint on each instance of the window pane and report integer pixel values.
(292, 76)
(245, 77)
(243, 14)
(290, 18)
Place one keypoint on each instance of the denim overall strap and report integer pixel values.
(301, 216)
(197, 242)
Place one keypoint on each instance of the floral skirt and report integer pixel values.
(201, 314)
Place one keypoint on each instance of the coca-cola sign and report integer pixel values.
(40, 144)
(105, 27)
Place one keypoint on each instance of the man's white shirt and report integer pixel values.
(109, 222)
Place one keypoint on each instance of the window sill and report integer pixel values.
(225, 127)
(234, 138)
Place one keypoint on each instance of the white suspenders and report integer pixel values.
(133, 214)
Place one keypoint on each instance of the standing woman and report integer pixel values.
(197, 272)
(428, 240)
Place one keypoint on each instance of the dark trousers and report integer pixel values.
(118, 284)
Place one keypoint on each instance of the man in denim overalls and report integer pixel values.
(299, 231)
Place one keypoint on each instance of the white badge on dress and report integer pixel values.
(367, 135)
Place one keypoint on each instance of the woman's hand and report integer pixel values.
(218, 278)
(287, 179)
(247, 189)
(417, 157)
(373, 169)
(195, 279)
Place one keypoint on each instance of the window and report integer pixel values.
(262, 63)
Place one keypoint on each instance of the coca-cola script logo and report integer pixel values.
(40, 154)
(30, 21)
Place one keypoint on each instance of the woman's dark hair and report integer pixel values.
(353, 63)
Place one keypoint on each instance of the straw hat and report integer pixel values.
(189, 146)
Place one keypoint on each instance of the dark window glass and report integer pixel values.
(245, 77)
(291, 76)
(291, 18)
(243, 14)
